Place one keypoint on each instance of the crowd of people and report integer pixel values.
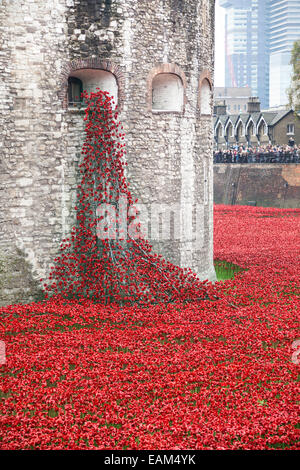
(262, 154)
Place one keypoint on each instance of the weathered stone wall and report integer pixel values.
(169, 154)
(34, 43)
(269, 185)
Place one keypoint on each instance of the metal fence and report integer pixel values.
(250, 156)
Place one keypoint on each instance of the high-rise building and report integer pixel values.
(246, 46)
(284, 30)
(259, 36)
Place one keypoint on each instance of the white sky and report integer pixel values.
(219, 46)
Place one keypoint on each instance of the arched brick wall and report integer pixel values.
(91, 63)
(165, 68)
(205, 75)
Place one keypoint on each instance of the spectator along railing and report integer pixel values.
(258, 155)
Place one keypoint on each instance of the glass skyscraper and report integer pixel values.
(247, 46)
(284, 30)
(259, 36)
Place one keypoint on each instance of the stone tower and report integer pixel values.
(156, 58)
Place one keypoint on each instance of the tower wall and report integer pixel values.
(34, 38)
(169, 153)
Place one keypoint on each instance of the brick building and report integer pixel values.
(256, 127)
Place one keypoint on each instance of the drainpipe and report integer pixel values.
(286, 185)
(270, 136)
(233, 193)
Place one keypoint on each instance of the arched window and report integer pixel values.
(240, 130)
(251, 129)
(262, 128)
(74, 90)
(91, 79)
(205, 97)
(167, 92)
(229, 130)
(219, 130)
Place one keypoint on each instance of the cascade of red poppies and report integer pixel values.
(196, 376)
(103, 260)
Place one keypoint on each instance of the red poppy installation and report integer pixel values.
(220, 373)
(106, 259)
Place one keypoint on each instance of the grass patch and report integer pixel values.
(225, 270)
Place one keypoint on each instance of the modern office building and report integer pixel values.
(259, 36)
(284, 31)
(246, 46)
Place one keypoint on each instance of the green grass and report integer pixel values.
(225, 270)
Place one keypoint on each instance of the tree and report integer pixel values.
(294, 90)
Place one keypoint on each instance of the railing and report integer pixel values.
(261, 157)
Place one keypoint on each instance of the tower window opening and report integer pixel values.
(205, 97)
(75, 89)
(91, 80)
(167, 92)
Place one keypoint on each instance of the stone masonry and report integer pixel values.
(169, 152)
(265, 184)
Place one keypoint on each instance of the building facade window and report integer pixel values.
(167, 92)
(229, 131)
(262, 128)
(250, 130)
(240, 130)
(291, 129)
(220, 132)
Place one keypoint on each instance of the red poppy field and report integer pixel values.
(219, 373)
